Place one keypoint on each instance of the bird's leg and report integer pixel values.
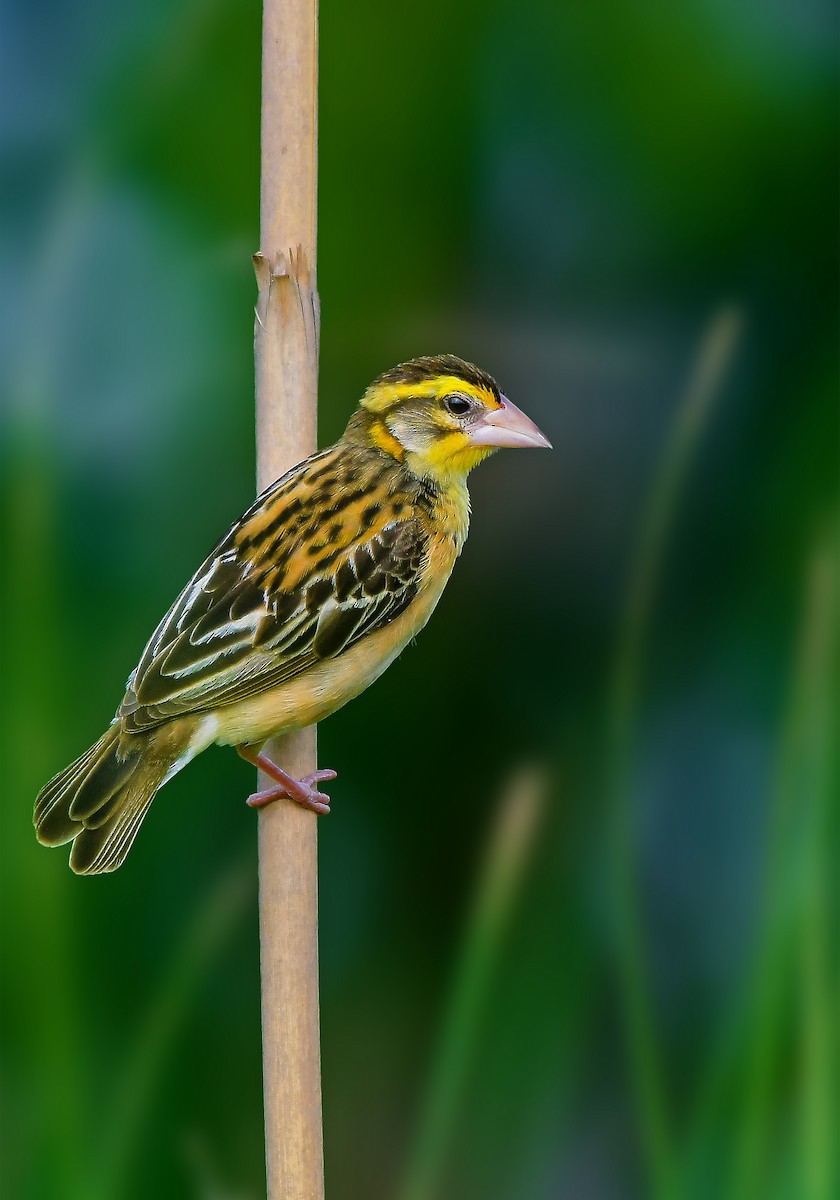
(302, 791)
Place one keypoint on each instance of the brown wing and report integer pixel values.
(270, 601)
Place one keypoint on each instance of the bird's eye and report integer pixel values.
(459, 406)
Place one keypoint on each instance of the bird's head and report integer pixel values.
(441, 416)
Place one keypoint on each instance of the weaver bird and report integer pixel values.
(303, 603)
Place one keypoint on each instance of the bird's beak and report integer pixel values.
(507, 426)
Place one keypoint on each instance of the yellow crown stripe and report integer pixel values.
(380, 399)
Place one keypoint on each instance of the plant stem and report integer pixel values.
(286, 361)
(713, 359)
(495, 895)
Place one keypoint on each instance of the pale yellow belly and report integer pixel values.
(326, 687)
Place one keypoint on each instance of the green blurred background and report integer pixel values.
(627, 213)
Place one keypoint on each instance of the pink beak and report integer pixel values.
(507, 426)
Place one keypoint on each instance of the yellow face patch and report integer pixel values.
(380, 398)
(383, 439)
(453, 453)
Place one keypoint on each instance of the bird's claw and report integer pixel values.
(303, 791)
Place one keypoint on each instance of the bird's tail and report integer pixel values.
(100, 800)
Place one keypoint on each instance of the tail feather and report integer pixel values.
(103, 782)
(103, 848)
(54, 824)
(100, 800)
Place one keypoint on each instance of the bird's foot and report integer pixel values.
(303, 791)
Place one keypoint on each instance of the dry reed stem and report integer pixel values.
(286, 361)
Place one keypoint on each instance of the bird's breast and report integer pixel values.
(325, 687)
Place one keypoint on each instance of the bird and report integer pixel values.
(303, 603)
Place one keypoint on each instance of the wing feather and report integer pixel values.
(238, 628)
